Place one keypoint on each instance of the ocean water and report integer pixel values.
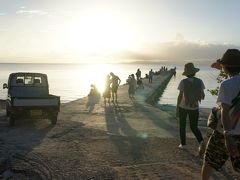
(72, 81)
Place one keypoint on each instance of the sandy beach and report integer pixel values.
(131, 139)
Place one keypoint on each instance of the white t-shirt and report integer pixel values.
(229, 89)
(183, 101)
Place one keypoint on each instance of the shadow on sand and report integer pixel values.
(130, 145)
(15, 145)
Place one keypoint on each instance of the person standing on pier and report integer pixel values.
(191, 92)
(132, 86)
(138, 74)
(115, 81)
(150, 76)
(107, 91)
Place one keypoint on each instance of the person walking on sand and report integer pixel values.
(191, 92)
(138, 74)
(224, 142)
(132, 86)
(107, 91)
(115, 82)
(150, 76)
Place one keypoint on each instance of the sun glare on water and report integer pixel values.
(95, 74)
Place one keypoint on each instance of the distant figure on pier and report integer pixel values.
(107, 90)
(132, 86)
(138, 74)
(150, 76)
(115, 82)
(140, 84)
(174, 71)
(191, 92)
(93, 98)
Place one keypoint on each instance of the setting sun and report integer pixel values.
(99, 33)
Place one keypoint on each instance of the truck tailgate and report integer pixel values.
(36, 102)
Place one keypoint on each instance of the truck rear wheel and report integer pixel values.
(11, 120)
(53, 119)
(7, 110)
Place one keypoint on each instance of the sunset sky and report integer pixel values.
(99, 31)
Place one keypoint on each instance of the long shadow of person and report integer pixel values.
(126, 138)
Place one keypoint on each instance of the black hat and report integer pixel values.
(230, 58)
(189, 69)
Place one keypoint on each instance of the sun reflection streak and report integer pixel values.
(96, 74)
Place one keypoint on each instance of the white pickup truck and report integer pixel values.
(28, 97)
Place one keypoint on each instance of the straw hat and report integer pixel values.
(189, 69)
(230, 58)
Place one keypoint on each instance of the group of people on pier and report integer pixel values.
(112, 83)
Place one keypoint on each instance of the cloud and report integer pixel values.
(191, 51)
(179, 51)
(134, 55)
(2, 14)
(31, 12)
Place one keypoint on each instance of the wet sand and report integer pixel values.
(131, 139)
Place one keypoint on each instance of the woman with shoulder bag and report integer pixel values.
(225, 142)
(191, 92)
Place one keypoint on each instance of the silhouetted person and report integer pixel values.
(150, 76)
(107, 90)
(138, 74)
(115, 82)
(174, 72)
(132, 86)
(140, 84)
(93, 98)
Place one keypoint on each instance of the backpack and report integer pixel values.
(214, 118)
(192, 91)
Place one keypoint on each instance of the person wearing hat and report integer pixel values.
(221, 145)
(191, 92)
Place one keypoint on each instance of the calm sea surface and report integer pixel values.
(72, 81)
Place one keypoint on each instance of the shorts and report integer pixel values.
(216, 153)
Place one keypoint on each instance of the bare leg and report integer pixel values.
(206, 171)
(105, 101)
(116, 97)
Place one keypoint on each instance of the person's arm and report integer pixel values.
(180, 95)
(119, 81)
(202, 94)
(227, 126)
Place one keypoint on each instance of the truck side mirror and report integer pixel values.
(5, 86)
